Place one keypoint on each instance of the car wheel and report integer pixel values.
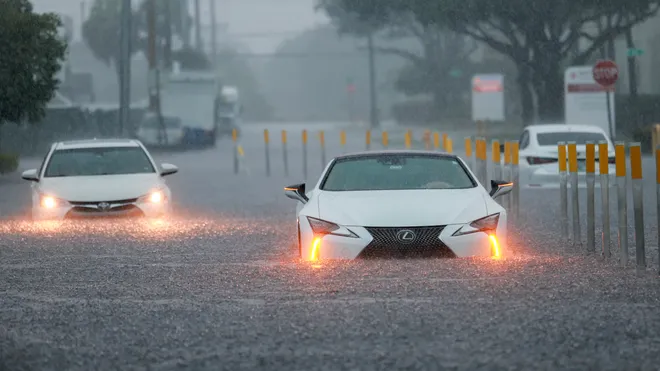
(299, 243)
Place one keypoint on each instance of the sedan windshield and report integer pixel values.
(98, 161)
(581, 138)
(396, 172)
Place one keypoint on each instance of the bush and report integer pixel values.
(8, 163)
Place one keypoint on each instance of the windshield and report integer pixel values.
(98, 161)
(396, 172)
(551, 139)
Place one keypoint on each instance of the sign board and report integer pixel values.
(605, 73)
(488, 97)
(635, 52)
(585, 101)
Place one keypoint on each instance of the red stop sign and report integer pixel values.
(606, 73)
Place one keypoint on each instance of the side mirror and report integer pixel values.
(296, 192)
(30, 175)
(499, 188)
(168, 169)
(502, 148)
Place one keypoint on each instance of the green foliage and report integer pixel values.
(539, 36)
(8, 163)
(102, 31)
(30, 57)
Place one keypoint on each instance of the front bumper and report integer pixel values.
(92, 211)
(373, 243)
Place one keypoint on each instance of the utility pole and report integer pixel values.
(373, 97)
(154, 76)
(125, 66)
(198, 29)
(183, 19)
(168, 35)
(214, 41)
(632, 65)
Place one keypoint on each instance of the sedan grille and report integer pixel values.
(121, 211)
(414, 242)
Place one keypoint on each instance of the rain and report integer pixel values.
(234, 100)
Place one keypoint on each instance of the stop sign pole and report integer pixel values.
(606, 73)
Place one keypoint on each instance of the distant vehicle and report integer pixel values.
(228, 110)
(99, 178)
(172, 132)
(539, 155)
(399, 203)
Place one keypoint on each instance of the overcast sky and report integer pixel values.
(260, 24)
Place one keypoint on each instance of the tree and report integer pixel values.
(431, 68)
(31, 53)
(172, 19)
(541, 37)
(101, 32)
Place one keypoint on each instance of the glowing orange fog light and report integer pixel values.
(495, 247)
(316, 244)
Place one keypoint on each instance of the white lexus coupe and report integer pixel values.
(99, 178)
(399, 203)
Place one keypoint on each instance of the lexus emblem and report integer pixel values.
(104, 206)
(405, 236)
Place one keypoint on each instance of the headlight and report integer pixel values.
(155, 197)
(486, 224)
(322, 227)
(51, 202)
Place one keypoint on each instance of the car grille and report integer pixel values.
(118, 211)
(96, 203)
(426, 243)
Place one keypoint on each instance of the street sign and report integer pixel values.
(605, 73)
(632, 52)
(488, 97)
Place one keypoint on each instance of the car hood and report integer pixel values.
(403, 208)
(100, 188)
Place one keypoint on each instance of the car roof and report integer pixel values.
(96, 143)
(386, 152)
(553, 128)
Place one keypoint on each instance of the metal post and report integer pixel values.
(622, 201)
(342, 141)
(304, 154)
(497, 167)
(657, 197)
(322, 143)
(267, 149)
(638, 203)
(373, 97)
(386, 141)
(234, 138)
(508, 172)
(367, 140)
(591, 189)
(285, 156)
(604, 167)
(563, 189)
(214, 34)
(515, 159)
(198, 28)
(436, 141)
(575, 193)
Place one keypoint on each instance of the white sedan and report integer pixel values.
(399, 203)
(99, 178)
(539, 153)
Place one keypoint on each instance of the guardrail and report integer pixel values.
(631, 152)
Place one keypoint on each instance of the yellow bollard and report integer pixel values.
(234, 138)
(385, 139)
(322, 143)
(408, 140)
(285, 156)
(450, 146)
(444, 141)
(304, 153)
(367, 139)
(497, 166)
(563, 188)
(234, 135)
(342, 138)
(468, 147)
(427, 139)
(604, 170)
(267, 151)
(622, 200)
(436, 140)
(591, 205)
(638, 203)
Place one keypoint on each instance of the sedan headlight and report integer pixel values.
(155, 197)
(51, 202)
(322, 227)
(487, 224)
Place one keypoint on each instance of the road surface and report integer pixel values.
(219, 288)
